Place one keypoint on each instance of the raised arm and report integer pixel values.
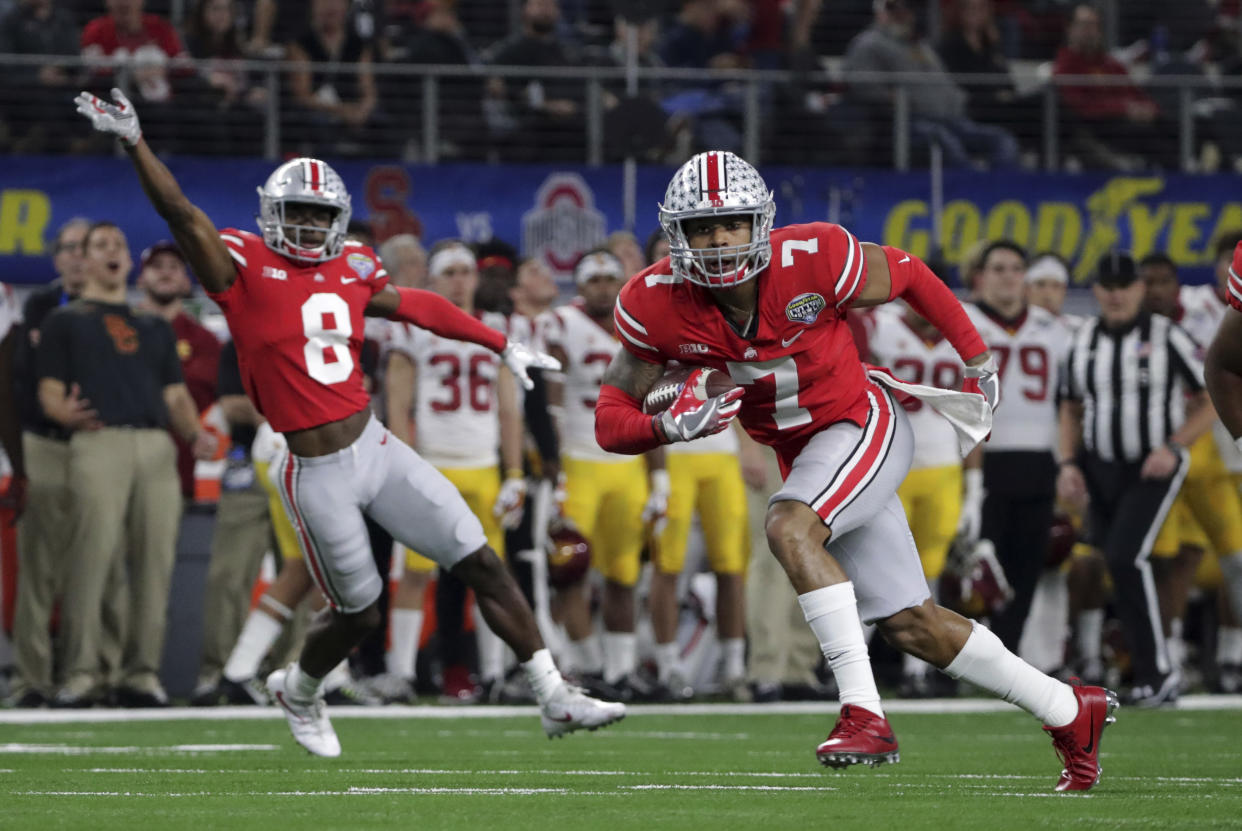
(194, 232)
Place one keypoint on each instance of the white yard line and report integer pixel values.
(86, 750)
(457, 713)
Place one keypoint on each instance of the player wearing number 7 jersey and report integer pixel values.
(768, 306)
(294, 300)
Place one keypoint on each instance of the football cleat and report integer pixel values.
(859, 738)
(1078, 743)
(307, 720)
(570, 708)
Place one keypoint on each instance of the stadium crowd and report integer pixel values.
(650, 578)
(340, 91)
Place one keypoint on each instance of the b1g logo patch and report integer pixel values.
(805, 308)
(361, 264)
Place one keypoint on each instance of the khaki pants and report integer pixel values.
(242, 534)
(782, 647)
(43, 542)
(123, 484)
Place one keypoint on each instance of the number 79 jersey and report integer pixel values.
(1029, 352)
(298, 328)
(798, 364)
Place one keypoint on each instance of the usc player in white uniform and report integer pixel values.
(1207, 516)
(931, 493)
(605, 494)
(465, 418)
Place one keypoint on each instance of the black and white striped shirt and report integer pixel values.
(1133, 384)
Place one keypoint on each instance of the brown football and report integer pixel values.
(666, 390)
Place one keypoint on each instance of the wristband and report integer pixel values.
(515, 473)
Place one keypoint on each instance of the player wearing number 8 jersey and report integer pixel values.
(294, 300)
(768, 306)
(1019, 470)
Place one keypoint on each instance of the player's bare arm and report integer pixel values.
(632, 376)
(1071, 486)
(195, 234)
(1222, 370)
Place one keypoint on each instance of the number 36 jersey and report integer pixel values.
(798, 364)
(299, 329)
(1030, 352)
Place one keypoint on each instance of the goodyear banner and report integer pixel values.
(557, 213)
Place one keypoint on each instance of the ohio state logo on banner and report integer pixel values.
(563, 225)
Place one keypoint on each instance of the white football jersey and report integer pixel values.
(10, 310)
(1202, 312)
(1030, 358)
(589, 349)
(896, 346)
(456, 414)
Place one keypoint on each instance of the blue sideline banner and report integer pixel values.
(557, 213)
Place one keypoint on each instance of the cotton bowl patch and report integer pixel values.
(361, 264)
(805, 308)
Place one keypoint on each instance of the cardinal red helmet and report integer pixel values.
(973, 582)
(569, 554)
(1061, 539)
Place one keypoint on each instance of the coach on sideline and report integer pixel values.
(111, 378)
(1126, 420)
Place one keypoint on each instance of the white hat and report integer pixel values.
(1047, 267)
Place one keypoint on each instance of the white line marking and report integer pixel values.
(961, 706)
(725, 788)
(82, 750)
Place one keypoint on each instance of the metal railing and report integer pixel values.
(430, 113)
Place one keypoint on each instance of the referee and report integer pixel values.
(1132, 401)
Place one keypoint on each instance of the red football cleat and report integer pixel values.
(1078, 743)
(860, 738)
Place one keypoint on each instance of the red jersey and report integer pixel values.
(800, 367)
(101, 37)
(199, 352)
(299, 329)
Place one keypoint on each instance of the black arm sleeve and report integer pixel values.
(538, 419)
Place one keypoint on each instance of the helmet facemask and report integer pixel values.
(718, 184)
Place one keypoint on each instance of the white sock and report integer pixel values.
(668, 659)
(301, 686)
(491, 649)
(1090, 634)
(337, 677)
(406, 627)
(257, 636)
(985, 662)
(1229, 645)
(733, 664)
(587, 655)
(542, 674)
(1175, 644)
(832, 613)
(620, 655)
(1231, 570)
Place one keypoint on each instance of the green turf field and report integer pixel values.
(1176, 769)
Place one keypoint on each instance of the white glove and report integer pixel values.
(511, 502)
(689, 417)
(519, 358)
(655, 512)
(985, 380)
(970, 523)
(119, 119)
(268, 445)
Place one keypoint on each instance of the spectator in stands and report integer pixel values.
(704, 35)
(971, 45)
(405, 260)
(37, 27)
(636, 125)
(937, 105)
(656, 247)
(165, 283)
(536, 119)
(439, 38)
(43, 542)
(624, 245)
(1115, 126)
(214, 39)
(333, 110)
(110, 377)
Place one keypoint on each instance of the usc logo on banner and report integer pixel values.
(124, 337)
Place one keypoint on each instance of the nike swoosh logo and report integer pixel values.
(280, 697)
(1089, 746)
(904, 259)
(385, 439)
(786, 343)
(889, 739)
(347, 280)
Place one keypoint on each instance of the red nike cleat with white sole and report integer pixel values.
(1078, 743)
(860, 738)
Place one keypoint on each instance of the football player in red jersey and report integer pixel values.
(768, 307)
(294, 300)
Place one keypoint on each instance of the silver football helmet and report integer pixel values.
(718, 183)
(307, 181)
